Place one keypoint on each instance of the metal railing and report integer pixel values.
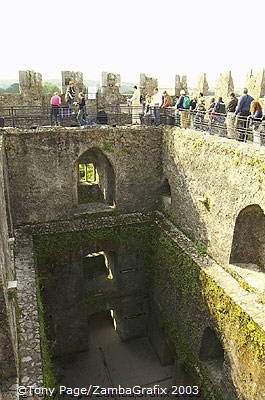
(246, 129)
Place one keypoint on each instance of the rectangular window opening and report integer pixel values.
(87, 173)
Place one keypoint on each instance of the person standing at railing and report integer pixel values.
(183, 105)
(200, 113)
(211, 114)
(148, 114)
(220, 112)
(231, 118)
(70, 95)
(256, 113)
(156, 104)
(243, 111)
(135, 104)
(81, 116)
(165, 105)
(55, 110)
(193, 104)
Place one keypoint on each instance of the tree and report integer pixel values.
(50, 88)
(14, 88)
(2, 90)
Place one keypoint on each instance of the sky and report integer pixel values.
(157, 38)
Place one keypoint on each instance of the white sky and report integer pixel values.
(158, 38)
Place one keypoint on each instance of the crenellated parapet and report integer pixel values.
(71, 76)
(180, 84)
(109, 93)
(30, 83)
(224, 86)
(147, 85)
(202, 86)
(256, 83)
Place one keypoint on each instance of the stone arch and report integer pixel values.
(211, 348)
(100, 189)
(248, 244)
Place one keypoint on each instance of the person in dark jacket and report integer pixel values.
(81, 116)
(231, 117)
(211, 114)
(243, 111)
(220, 112)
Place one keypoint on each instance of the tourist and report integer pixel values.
(220, 111)
(167, 111)
(243, 111)
(156, 104)
(177, 113)
(183, 105)
(201, 98)
(135, 105)
(211, 114)
(200, 113)
(193, 104)
(166, 100)
(148, 111)
(70, 94)
(55, 111)
(230, 118)
(81, 116)
(256, 113)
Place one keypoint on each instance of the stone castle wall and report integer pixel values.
(47, 193)
(212, 179)
(8, 331)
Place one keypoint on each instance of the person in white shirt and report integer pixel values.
(135, 104)
(157, 101)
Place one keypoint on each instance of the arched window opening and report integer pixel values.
(95, 179)
(248, 246)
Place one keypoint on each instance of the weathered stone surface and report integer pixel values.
(76, 77)
(224, 86)
(109, 94)
(8, 331)
(30, 82)
(147, 85)
(29, 343)
(256, 84)
(202, 86)
(180, 84)
(134, 153)
(227, 174)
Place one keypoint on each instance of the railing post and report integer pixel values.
(13, 117)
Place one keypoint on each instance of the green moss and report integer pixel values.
(202, 249)
(202, 299)
(107, 146)
(198, 143)
(49, 379)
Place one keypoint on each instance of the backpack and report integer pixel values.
(220, 108)
(186, 102)
(171, 101)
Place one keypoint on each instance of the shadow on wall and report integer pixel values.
(179, 206)
(248, 244)
(93, 179)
